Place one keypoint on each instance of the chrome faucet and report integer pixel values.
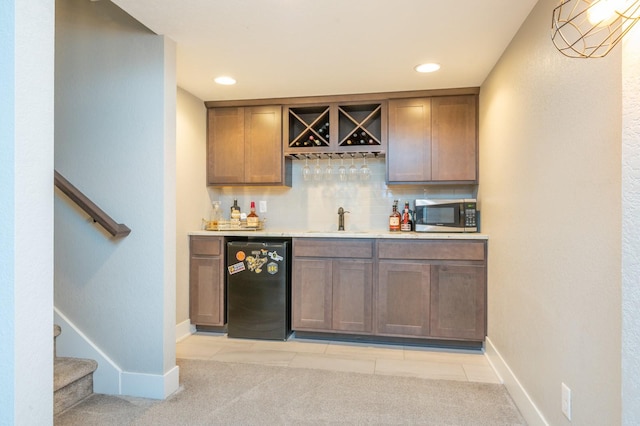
(341, 213)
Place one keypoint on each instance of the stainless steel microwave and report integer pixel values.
(458, 215)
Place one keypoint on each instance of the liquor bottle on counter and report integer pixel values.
(253, 221)
(406, 224)
(235, 211)
(394, 218)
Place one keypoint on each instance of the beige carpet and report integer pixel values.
(216, 393)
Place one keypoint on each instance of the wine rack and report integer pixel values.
(309, 127)
(360, 125)
(335, 128)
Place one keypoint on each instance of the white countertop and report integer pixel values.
(347, 234)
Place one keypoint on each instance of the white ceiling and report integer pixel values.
(283, 48)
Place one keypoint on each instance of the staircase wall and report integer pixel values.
(115, 93)
(73, 343)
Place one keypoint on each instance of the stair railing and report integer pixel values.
(96, 213)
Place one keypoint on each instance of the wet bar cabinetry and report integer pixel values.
(432, 289)
(433, 140)
(206, 281)
(332, 285)
(244, 146)
(428, 136)
(425, 289)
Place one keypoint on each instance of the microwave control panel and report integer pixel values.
(470, 215)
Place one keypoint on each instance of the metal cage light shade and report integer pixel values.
(579, 29)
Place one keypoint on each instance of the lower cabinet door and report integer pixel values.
(311, 294)
(206, 290)
(352, 296)
(458, 302)
(403, 298)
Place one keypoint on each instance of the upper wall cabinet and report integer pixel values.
(335, 128)
(433, 140)
(244, 146)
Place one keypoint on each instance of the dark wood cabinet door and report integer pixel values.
(403, 298)
(206, 290)
(454, 146)
(263, 145)
(225, 146)
(458, 301)
(352, 295)
(311, 294)
(409, 143)
(244, 146)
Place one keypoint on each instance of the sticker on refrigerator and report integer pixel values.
(272, 268)
(275, 256)
(240, 255)
(235, 268)
(255, 263)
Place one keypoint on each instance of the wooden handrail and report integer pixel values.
(96, 213)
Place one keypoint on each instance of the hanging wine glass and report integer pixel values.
(306, 170)
(365, 171)
(342, 170)
(353, 170)
(317, 170)
(328, 172)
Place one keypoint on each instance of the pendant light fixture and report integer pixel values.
(591, 28)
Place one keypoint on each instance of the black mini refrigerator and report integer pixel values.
(258, 290)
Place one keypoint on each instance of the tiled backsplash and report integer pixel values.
(313, 205)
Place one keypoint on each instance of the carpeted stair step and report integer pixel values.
(72, 381)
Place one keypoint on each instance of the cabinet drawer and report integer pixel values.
(207, 246)
(432, 250)
(337, 247)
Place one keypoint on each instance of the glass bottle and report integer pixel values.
(235, 211)
(253, 221)
(406, 224)
(394, 218)
(216, 216)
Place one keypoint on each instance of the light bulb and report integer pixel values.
(603, 12)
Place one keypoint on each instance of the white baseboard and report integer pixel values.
(184, 330)
(525, 404)
(109, 378)
(151, 385)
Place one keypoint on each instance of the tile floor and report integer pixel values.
(368, 358)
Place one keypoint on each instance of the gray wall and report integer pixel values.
(192, 198)
(550, 194)
(115, 140)
(26, 212)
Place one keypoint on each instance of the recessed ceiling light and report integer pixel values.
(431, 67)
(227, 81)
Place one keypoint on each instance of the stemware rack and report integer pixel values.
(335, 155)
